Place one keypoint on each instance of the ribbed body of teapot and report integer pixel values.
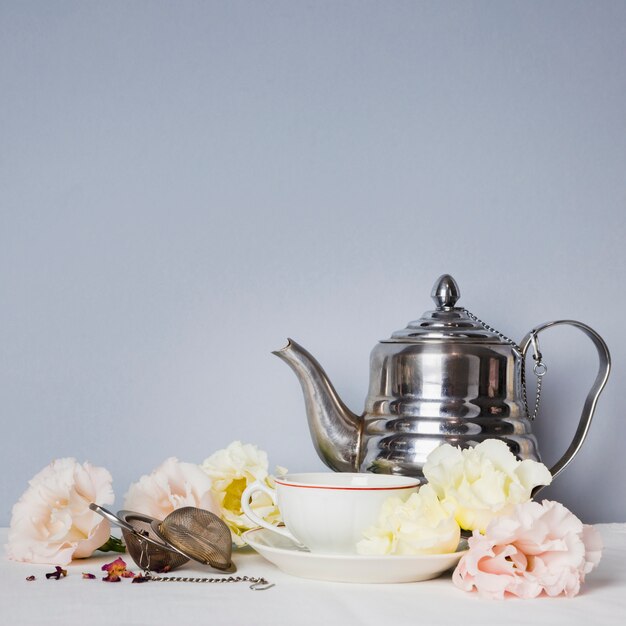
(443, 380)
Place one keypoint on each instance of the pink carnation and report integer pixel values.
(539, 547)
(52, 522)
(171, 486)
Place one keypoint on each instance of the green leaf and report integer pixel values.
(114, 544)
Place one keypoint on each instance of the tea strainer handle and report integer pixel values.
(113, 519)
(592, 397)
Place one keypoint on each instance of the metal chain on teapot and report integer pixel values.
(540, 369)
(258, 582)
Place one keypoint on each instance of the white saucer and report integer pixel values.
(348, 568)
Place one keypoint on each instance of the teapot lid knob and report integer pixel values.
(445, 292)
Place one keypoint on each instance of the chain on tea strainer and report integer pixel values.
(186, 533)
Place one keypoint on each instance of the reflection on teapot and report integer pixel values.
(446, 378)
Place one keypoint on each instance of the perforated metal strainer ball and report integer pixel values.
(198, 534)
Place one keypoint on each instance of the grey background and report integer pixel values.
(185, 184)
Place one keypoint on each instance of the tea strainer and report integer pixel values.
(198, 534)
(146, 548)
(186, 533)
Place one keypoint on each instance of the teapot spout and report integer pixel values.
(335, 430)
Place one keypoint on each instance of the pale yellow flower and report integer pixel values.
(231, 471)
(419, 525)
(483, 482)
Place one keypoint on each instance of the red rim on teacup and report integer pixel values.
(370, 482)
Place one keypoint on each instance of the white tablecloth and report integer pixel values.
(73, 600)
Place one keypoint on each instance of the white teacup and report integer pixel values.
(328, 512)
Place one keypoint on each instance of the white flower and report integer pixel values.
(171, 486)
(52, 522)
(482, 482)
(231, 471)
(419, 525)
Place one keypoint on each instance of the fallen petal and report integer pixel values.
(111, 579)
(58, 573)
(119, 563)
(141, 579)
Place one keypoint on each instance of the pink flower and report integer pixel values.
(539, 547)
(52, 522)
(171, 486)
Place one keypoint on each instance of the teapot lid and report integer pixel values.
(447, 322)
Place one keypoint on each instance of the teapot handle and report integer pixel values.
(592, 397)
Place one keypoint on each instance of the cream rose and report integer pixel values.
(482, 482)
(419, 525)
(231, 470)
(171, 486)
(52, 522)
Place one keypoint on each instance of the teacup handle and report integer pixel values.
(247, 509)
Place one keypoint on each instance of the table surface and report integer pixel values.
(74, 600)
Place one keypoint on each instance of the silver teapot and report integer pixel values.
(447, 377)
